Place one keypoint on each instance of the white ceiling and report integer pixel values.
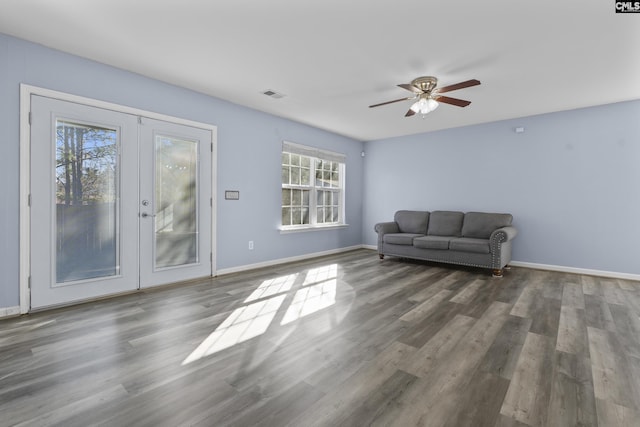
(333, 58)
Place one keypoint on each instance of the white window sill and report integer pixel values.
(305, 228)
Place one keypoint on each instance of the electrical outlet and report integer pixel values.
(250, 245)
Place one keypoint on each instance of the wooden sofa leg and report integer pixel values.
(497, 272)
(381, 256)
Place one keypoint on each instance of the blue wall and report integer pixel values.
(249, 147)
(571, 180)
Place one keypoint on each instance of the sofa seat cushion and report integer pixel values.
(432, 242)
(412, 221)
(480, 225)
(401, 238)
(445, 223)
(468, 244)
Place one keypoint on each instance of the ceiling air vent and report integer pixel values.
(273, 94)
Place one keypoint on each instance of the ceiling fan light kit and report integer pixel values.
(428, 96)
(424, 105)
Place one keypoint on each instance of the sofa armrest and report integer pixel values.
(502, 235)
(383, 228)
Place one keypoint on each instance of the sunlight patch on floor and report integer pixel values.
(243, 324)
(317, 292)
(311, 299)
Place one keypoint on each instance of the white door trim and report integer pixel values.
(25, 171)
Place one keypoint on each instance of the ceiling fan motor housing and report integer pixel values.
(425, 84)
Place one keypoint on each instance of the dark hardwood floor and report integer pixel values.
(344, 340)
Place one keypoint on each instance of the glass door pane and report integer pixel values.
(176, 201)
(86, 202)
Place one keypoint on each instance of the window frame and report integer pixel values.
(315, 156)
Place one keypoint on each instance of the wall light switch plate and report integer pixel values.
(232, 195)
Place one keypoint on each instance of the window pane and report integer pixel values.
(305, 216)
(285, 175)
(295, 160)
(285, 158)
(326, 179)
(334, 179)
(320, 215)
(327, 215)
(286, 216)
(286, 197)
(327, 198)
(335, 215)
(305, 197)
(295, 176)
(305, 177)
(305, 162)
(297, 216)
(296, 197)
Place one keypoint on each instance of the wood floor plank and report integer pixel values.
(527, 399)
(612, 375)
(399, 343)
(334, 408)
(572, 401)
(469, 293)
(503, 355)
(590, 285)
(572, 295)
(611, 414)
(445, 279)
(572, 332)
(423, 310)
(479, 404)
(598, 313)
(547, 316)
(525, 303)
(440, 347)
(627, 327)
(59, 415)
(612, 293)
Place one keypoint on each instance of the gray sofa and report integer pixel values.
(476, 239)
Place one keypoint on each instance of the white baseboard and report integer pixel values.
(565, 269)
(270, 263)
(9, 311)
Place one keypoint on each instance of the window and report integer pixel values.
(312, 187)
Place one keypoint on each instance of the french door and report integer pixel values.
(118, 202)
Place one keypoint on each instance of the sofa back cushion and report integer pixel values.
(480, 225)
(412, 221)
(445, 223)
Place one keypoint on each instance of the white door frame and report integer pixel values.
(25, 171)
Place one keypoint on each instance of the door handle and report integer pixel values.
(145, 215)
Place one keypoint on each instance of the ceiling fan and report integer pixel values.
(427, 96)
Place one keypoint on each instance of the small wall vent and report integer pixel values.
(273, 94)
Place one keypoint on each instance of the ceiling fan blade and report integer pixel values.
(410, 113)
(460, 85)
(391, 102)
(453, 101)
(410, 88)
